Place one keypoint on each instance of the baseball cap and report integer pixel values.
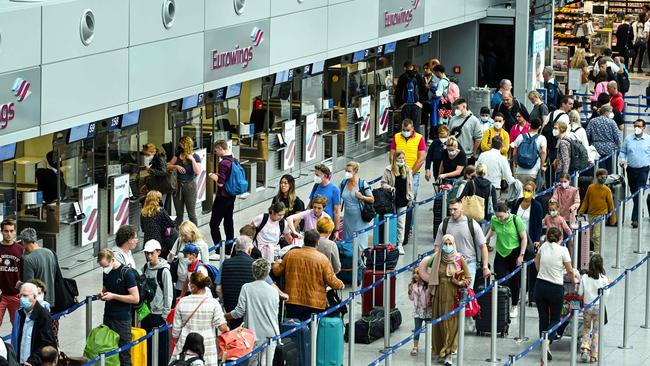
(191, 248)
(151, 245)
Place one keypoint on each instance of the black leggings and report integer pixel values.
(503, 266)
(549, 298)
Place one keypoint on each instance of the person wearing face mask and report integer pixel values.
(434, 154)
(604, 135)
(453, 163)
(33, 328)
(187, 165)
(486, 121)
(563, 160)
(466, 128)
(120, 293)
(40, 263)
(156, 168)
(496, 130)
(553, 219)
(540, 110)
(444, 272)
(410, 93)
(598, 202)
(567, 197)
(634, 157)
(323, 187)
(354, 192)
(509, 108)
(398, 178)
(511, 243)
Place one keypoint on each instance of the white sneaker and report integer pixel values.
(449, 360)
(400, 249)
(584, 356)
(514, 311)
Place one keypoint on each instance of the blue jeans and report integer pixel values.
(416, 185)
(418, 324)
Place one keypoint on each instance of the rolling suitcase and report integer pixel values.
(484, 318)
(329, 349)
(378, 231)
(139, 351)
(345, 256)
(375, 297)
(616, 184)
(584, 244)
(301, 340)
(286, 353)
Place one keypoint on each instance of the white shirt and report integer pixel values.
(564, 117)
(524, 215)
(125, 258)
(589, 288)
(581, 135)
(551, 264)
(497, 167)
(269, 237)
(541, 144)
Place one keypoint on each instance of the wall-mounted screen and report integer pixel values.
(220, 94)
(359, 56)
(317, 67)
(81, 132)
(190, 102)
(281, 77)
(233, 91)
(130, 119)
(389, 47)
(8, 152)
(424, 38)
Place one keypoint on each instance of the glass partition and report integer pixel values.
(312, 95)
(77, 166)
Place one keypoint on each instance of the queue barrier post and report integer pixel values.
(596, 168)
(619, 237)
(626, 311)
(603, 225)
(351, 312)
(414, 243)
(155, 346)
(386, 285)
(222, 252)
(574, 255)
(461, 328)
(512, 359)
(102, 359)
(646, 324)
(268, 359)
(545, 348)
(574, 336)
(314, 338)
(601, 326)
(639, 232)
(576, 177)
(522, 304)
(387, 218)
(493, 324)
(428, 334)
(445, 195)
(89, 315)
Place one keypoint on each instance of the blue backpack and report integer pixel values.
(527, 153)
(411, 91)
(236, 183)
(213, 273)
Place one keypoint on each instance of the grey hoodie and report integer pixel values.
(162, 300)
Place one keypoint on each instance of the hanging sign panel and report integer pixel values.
(201, 178)
(89, 200)
(364, 109)
(289, 155)
(384, 104)
(311, 136)
(120, 202)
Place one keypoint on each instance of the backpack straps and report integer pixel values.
(265, 219)
(558, 116)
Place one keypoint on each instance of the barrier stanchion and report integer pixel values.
(619, 237)
(603, 225)
(387, 311)
(626, 311)
(102, 359)
(355, 263)
(314, 338)
(493, 324)
(601, 326)
(639, 232)
(461, 328)
(545, 348)
(414, 243)
(428, 334)
(512, 359)
(596, 168)
(155, 346)
(646, 324)
(575, 178)
(351, 332)
(387, 229)
(268, 358)
(222, 252)
(574, 337)
(522, 304)
(574, 255)
(89, 315)
(445, 197)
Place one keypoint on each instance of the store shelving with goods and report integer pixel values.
(630, 7)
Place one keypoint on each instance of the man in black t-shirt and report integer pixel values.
(120, 292)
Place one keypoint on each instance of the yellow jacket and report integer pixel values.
(486, 142)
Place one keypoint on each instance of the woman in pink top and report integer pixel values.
(520, 128)
(567, 197)
(309, 217)
(601, 86)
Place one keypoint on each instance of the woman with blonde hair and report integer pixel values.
(445, 272)
(453, 162)
(202, 314)
(187, 166)
(155, 221)
(577, 130)
(399, 179)
(354, 193)
(188, 233)
(579, 61)
(540, 110)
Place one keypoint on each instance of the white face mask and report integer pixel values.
(457, 112)
(317, 179)
(498, 125)
(556, 132)
(107, 270)
(348, 175)
(611, 115)
(40, 298)
(147, 160)
(638, 130)
(443, 139)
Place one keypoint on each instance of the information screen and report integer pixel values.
(424, 38)
(317, 67)
(130, 118)
(281, 77)
(233, 91)
(7, 152)
(390, 47)
(359, 56)
(190, 102)
(81, 132)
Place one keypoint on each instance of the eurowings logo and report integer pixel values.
(21, 89)
(402, 16)
(257, 35)
(415, 3)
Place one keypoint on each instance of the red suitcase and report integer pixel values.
(374, 297)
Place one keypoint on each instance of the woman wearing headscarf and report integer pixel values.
(445, 272)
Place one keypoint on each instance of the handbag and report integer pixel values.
(367, 209)
(164, 184)
(472, 308)
(333, 299)
(474, 206)
(236, 343)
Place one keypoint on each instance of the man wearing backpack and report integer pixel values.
(560, 114)
(411, 91)
(158, 270)
(553, 92)
(529, 153)
(191, 253)
(467, 129)
(224, 203)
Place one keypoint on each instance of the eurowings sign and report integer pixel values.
(400, 15)
(20, 100)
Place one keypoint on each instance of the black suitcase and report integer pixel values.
(616, 184)
(286, 353)
(484, 317)
(437, 216)
(371, 326)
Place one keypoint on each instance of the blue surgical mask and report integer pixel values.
(447, 249)
(25, 303)
(452, 152)
(406, 134)
(485, 119)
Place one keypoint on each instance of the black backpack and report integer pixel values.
(579, 155)
(384, 199)
(623, 82)
(183, 362)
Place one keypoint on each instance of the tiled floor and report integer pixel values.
(476, 349)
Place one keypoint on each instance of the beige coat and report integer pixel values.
(388, 181)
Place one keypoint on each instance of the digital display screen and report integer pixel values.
(359, 56)
(390, 47)
(131, 118)
(81, 132)
(190, 102)
(317, 67)
(115, 122)
(7, 152)
(233, 91)
(220, 94)
(281, 77)
(424, 38)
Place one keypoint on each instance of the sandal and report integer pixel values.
(593, 360)
(414, 351)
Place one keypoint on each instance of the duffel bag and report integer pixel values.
(395, 317)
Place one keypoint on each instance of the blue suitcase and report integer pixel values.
(301, 338)
(329, 349)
